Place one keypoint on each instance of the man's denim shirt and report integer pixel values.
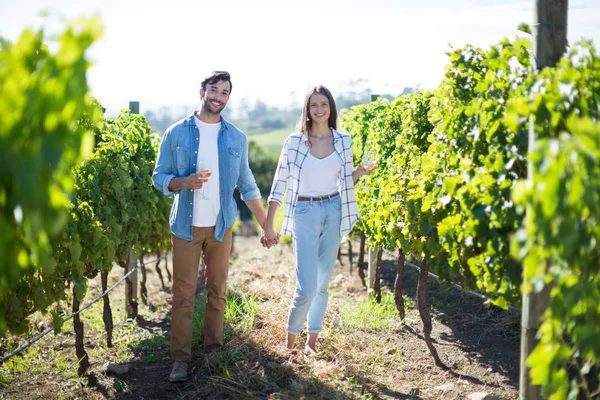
(177, 157)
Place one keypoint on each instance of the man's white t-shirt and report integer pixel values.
(206, 211)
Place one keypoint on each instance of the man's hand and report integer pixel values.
(195, 181)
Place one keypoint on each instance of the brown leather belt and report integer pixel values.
(318, 198)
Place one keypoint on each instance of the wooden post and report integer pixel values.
(549, 32)
(372, 263)
(134, 107)
(372, 259)
(143, 287)
(361, 259)
(549, 44)
(131, 285)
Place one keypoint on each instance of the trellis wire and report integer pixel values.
(456, 285)
(31, 341)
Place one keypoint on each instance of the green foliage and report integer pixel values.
(471, 166)
(451, 164)
(447, 164)
(558, 243)
(523, 27)
(113, 210)
(263, 165)
(42, 97)
(68, 219)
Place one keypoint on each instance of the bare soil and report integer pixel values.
(479, 345)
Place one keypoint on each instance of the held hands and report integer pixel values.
(269, 237)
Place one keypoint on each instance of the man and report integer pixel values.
(201, 160)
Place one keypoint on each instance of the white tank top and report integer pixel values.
(319, 177)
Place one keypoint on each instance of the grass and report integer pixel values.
(370, 315)
(240, 313)
(125, 337)
(364, 351)
(272, 141)
(255, 361)
(41, 359)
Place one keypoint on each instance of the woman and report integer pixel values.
(315, 173)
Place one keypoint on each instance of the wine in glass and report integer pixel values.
(369, 162)
(203, 172)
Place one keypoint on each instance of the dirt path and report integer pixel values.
(479, 344)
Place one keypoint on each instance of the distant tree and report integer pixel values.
(258, 117)
(272, 123)
(166, 116)
(408, 90)
(353, 92)
(260, 110)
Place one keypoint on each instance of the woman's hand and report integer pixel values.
(366, 170)
(270, 237)
(363, 170)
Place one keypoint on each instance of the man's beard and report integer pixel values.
(208, 107)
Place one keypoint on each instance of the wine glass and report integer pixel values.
(369, 159)
(369, 162)
(203, 172)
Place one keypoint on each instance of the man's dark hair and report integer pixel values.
(217, 76)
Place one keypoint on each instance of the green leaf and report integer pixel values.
(75, 250)
(57, 322)
(524, 27)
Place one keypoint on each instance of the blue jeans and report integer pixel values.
(316, 244)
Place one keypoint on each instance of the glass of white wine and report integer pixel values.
(203, 172)
(369, 159)
(369, 162)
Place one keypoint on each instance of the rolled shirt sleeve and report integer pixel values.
(246, 183)
(163, 170)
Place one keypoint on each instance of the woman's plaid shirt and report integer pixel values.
(287, 179)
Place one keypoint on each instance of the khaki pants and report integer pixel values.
(186, 258)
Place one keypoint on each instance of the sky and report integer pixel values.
(157, 52)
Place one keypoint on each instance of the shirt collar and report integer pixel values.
(190, 120)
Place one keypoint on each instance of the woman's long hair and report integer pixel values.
(305, 123)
